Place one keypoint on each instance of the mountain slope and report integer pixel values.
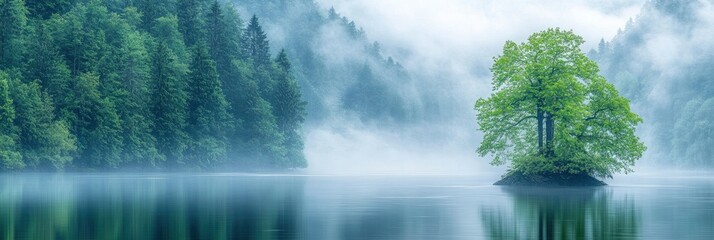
(662, 62)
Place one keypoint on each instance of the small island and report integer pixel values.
(554, 118)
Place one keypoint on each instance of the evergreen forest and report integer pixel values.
(121, 84)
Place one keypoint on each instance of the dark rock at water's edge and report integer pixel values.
(555, 180)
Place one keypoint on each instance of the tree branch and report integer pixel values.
(519, 122)
(594, 116)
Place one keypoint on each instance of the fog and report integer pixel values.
(661, 62)
(447, 48)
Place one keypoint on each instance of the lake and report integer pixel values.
(254, 206)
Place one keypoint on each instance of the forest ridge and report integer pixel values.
(90, 85)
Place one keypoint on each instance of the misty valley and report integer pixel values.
(350, 119)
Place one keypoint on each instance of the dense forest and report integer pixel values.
(662, 61)
(143, 84)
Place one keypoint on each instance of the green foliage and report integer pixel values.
(166, 30)
(7, 110)
(168, 104)
(154, 9)
(289, 109)
(109, 84)
(190, 24)
(10, 158)
(96, 124)
(45, 8)
(46, 65)
(208, 118)
(258, 133)
(13, 30)
(551, 112)
(133, 95)
(255, 44)
(45, 142)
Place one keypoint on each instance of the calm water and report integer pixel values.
(232, 206)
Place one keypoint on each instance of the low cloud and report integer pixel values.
(448, 47)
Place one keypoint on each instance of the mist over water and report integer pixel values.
(447, 48)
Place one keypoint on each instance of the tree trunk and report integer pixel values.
(549, 134)
(539, 116)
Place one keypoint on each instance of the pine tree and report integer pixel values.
(188, 13)
(82, 39)
(96, 124)
(208, 118)
(46, 66)
(45, 8)
(44, 141)
(258, 133)
(256, 45)
(233, 31)
(133, 98)
(13, 28)
(166, 30)
(222, 48)
(168, 104)
(154, 9)
(289, 110)
(7, 110)
(10, 158)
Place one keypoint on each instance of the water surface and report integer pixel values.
(242, 206)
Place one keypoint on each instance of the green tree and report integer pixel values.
(153, 9)
(233, 30)
(166, 30)
(45, 8)
(256, 45)
(168, 104)
(13, 29)
(190, 25)
(223, 48)
(95, 122)
(132, 95)
(46, 65)
(289, 109)
(81, 37)
(258, 133)
(10, 157)
(551, 111)
(208, 118)
(44, 141)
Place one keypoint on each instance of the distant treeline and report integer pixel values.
(673, 90)
(143, 84)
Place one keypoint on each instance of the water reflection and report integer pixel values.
(562, 213)
(89, 207)
(216, 206)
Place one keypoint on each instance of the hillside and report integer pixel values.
(185, 84)
(342, 73)
(662, 62)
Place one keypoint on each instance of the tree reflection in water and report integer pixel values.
(175, 207)
(562, 213)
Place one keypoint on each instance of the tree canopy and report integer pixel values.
(551, 111)
(143, 84)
